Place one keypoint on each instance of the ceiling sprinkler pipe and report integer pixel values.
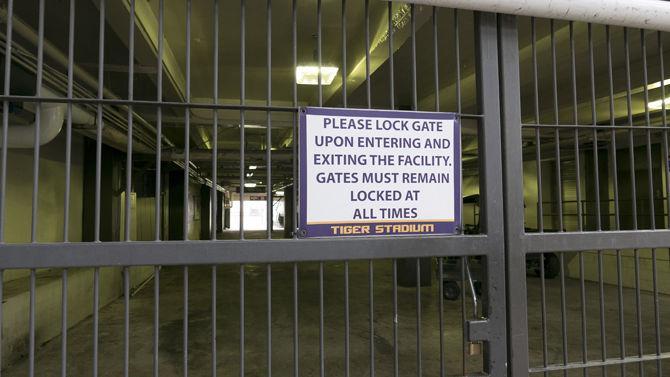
(643, 14)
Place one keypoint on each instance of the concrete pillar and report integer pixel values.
(205, 212)
(289, 227)
(219, 212)
(110, 183)
(407, 272)
(175, 205)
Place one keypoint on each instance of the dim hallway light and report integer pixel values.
(309, 75)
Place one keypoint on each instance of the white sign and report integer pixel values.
(374, 172)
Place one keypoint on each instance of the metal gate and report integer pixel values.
(602, 230)
(162, 123)
(167, 105)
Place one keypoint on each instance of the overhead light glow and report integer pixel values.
(253, 167)
(657, 84)
(658, 104)
(280, 193)
(309, 74)
(250, 175)
(250, 185)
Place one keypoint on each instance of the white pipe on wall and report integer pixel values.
(52, 116)
(644, 14)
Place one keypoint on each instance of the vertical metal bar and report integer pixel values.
(159, 132)
(68, 125)
(344, 53)
(391, 27)
(371, 300)
(243, 55)
(650, 182)
(419, 369)
(129, 121)
(578, 195)
(395, 318)
(5, 116)
(31, 326)
(98, 131)
(559, 187)
(214, 332)
(603, 335)
(631, 146)
(613, 148)
(557, 136)
(436, 62)
(647, 122)
(575, 117)
(268, 134)
(638, 311)
(413, 51)
(318, 50)
(38, 116)
(543, 306)
(538, 153)
(440, 307)
(622, 329)
(418, 265)
(242, 321)
(594, 119)
(215, 128)
(96, 317)
(322, 350)
(187, 125)
(157, 272)
(185, 323)
(664, 117)
(368, 95)
(540, 209)
(615, 184)
(2, 289)
(269, 319)
(346, 319)
(464, 352)
(126, 320)
(457, 55)
(491, 167)
(347, 351)
(296, 358)
(63, 324)
(657, 313)
(294, 48)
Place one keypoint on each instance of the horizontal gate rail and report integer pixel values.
(584, 241)
(234, 251)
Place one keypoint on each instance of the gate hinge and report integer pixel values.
(477, 330)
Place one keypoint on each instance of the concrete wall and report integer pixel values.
(50, 228)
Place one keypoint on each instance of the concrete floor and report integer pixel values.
(228, 338)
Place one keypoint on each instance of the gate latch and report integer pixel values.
(477, 329)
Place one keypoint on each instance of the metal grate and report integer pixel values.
(589, 137)
(415, 59)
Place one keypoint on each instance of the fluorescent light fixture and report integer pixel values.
(253, 167)
(250, 175)
(658, 104)
(309, 74)
(657, 84)
(250, 185)
(280, 193)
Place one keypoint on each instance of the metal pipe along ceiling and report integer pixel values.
(52, 116)
(643, 14)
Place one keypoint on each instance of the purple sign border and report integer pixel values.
(323, 230)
